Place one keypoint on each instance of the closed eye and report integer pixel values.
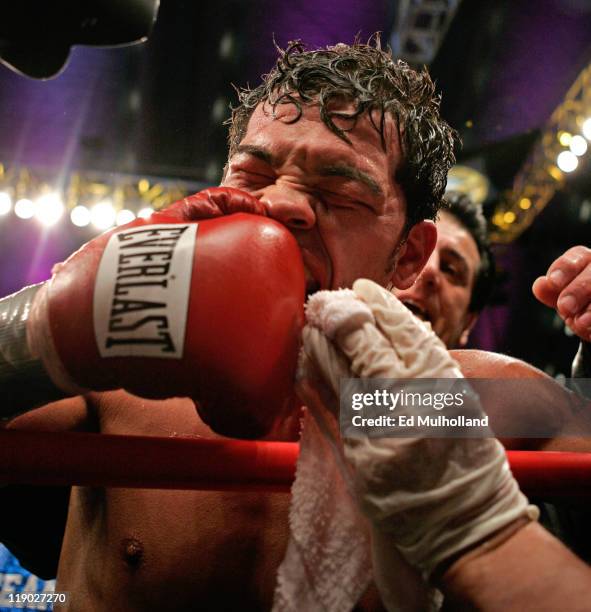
(333, 199)
(247, 178)
(256, 174)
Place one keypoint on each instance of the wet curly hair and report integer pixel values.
(368, 76)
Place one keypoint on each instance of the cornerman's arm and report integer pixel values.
(528, 570)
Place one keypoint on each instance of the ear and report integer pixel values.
(469, 324)
(414, 254)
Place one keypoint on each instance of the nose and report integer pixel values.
(431, 274)
(292, 207)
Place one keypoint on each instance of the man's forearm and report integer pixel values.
(531, 569)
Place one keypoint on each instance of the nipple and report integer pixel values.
(132, 551)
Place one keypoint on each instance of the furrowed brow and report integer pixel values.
(257, 152)
(345, 171)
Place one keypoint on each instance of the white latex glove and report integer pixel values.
(431, 498)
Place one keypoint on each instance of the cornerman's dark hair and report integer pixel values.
(368, 76)
(470, 215)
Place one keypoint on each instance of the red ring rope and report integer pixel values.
(92, 459)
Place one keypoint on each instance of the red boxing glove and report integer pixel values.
(213, 202)
(161, 307)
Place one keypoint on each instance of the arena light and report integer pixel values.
(498, 218)
(554, 172)
(24, 209)
(144, 213)
(49, 209)
(80, 216)
(469, 181)
(227, 45)
(124, 216)
(587, 128)
(220, 109)
(567, 161)
(5, 203)
(578, 145)
(102, 215)
(525, 204)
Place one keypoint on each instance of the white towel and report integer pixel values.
(328, 562)
(327, 565)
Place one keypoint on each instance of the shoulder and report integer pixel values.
(68, 414)
(485, 364)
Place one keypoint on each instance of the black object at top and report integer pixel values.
(36, 37)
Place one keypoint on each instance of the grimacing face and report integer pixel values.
(339, 200)
(442, 292)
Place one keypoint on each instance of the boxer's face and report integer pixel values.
(339, 200)
(443, 291)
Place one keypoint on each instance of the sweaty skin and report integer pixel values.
(340, 201)
(152, 550)
(132, 549)
(140, 550)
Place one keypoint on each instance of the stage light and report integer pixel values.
(134, 100)
(226, 46)
(498, 218)
(124, 216)
(220, 109)
(525, 203)
(509, 217)
(585, 211)
(80, 216)
(578, 145)
(466, 180)
(102, 215)
(5, 203)
(49, 209)
(587, 129)
(144, 213)
(24, 209)
(567, 161)
(554, 172)
(564, 138)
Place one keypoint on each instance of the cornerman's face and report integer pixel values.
(443, 291)
(339, 200)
